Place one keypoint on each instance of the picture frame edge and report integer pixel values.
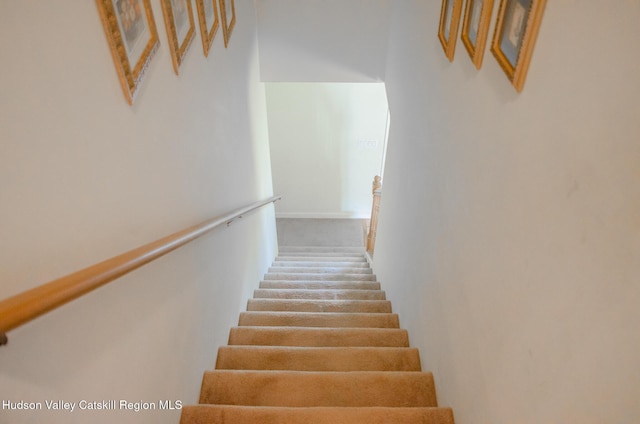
(517, 74)
(450, 45)
(207, 34)
(131, 79)
(177, 51)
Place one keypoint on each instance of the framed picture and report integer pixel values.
(133, 40)
(178, 18)
(475, 28)
(515, 35)
(228, 15)
(449, 22)
(209, 22)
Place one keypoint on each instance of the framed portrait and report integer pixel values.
(209, 22)
(475, 28)
(228, 15)
(449, 22)
(515, 35)
(178, 18)
(133, 40)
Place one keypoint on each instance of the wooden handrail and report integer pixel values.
(375, 208)
(28, 305)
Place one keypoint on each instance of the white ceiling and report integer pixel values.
(322, 40)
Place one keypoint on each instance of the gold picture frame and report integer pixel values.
(133, 40)
(178, 18)
(475, 29)
(449, 23)
(209, 22)
(515, 36)
(228, 17)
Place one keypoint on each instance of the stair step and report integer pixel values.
(319, 294)
(227, 414)
(318, 358)
(318, 344)
(325, 258)
(319, 270)
(325, 264)
(322, 319)
(330, 249)
(304, 389)
(341, 255)
(319, 276)
(318, 337)
(320, 285)
(304, 305)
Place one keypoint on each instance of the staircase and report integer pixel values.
(318, 344)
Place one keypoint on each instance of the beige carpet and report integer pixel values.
(318, 344)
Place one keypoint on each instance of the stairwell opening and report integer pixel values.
(327, 142)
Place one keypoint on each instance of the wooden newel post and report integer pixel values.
(373, 224)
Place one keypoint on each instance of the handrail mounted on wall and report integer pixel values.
(28, 305)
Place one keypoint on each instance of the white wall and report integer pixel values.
(322, 40)
(326, 144)
(509, 231)
(84, 176)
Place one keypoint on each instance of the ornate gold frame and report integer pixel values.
(130, 74)
(476, 52)
(207, 33)
(178, 47)
(450, 25)
(227, 27)
(523, 18)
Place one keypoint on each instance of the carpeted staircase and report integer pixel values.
(318, 344)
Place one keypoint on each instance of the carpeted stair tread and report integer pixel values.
(319, 270)
(321, 319)
(323, 254)
(318, 336)
(304, 389)
(228, 414)
(330, 249)
(319, 264)
(319, 305)
(325, 258)
(320, 285)
(318, 343)
(306, 276)
(319, 294)
(318, 358)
